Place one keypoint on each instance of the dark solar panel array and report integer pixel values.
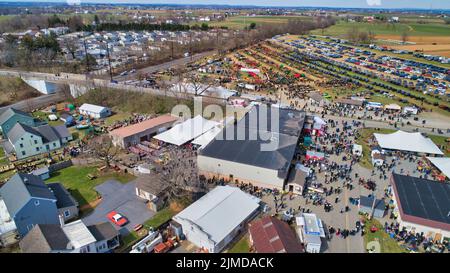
(423, 198)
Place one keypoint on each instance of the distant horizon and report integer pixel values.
(338, 4)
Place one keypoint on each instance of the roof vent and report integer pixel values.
(25, 180)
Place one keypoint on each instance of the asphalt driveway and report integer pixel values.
(121, 198)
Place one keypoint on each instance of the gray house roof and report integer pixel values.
(19, 130)
(46, 132)
(64, 199)
(153, 184)
(103, 231)
(367, 202)
(8, 113)
(21, 188)
(62, 131)
(43, 239)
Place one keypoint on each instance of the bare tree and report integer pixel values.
(103, 149)
(71, 45)
(199, 83)
(405, 37)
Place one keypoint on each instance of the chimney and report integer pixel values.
(61, 220)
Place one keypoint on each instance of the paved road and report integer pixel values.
(34, 103)
(167, 65)
(121, 198)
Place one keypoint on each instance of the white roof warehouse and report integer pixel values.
(215, 219)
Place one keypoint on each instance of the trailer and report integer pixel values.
(148, 243)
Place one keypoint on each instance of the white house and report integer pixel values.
(94, 111)
(74, 237)
(214, 220)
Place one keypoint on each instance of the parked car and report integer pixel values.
(117, 218)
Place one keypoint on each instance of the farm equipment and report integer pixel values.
(148, 243)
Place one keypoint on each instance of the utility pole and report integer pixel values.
(190, 44)
(86, 55)
(218, 41)
(109, 61)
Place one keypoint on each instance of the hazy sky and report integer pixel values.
(423, 4)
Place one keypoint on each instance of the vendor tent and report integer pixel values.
(318, 120)
(186, 131)
(314, 155)
(404, 141)
(394, 107)
(442, 163)
(207, 137)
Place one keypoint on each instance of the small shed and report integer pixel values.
(94, 111)
(43, 173)
(366, 203)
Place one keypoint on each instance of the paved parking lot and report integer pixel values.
(121, 198)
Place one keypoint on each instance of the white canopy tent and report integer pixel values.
(319, 120)
(207, 137)
(187, 131)
(404, 141)
(393, 106)
(442, 163)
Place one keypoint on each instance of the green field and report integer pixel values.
(342, 28)
(239, 22)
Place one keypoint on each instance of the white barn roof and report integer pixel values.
(220, 211)
(442, 163)
(187, 131)
(92, 108)
(404, 141)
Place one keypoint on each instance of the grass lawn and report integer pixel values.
(119, 116)
(160, 218)
(239, 22)
(388, 245)
(80, 186)
(342, 28)
(7, 175)
(3, 159)
(241, 246)
(441, 142)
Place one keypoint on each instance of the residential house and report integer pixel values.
(26, 141)
(74, 237)
(28, 202)
(10, 117)
(106, 235)
(67, 205)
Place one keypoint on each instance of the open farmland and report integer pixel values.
(239, 22)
